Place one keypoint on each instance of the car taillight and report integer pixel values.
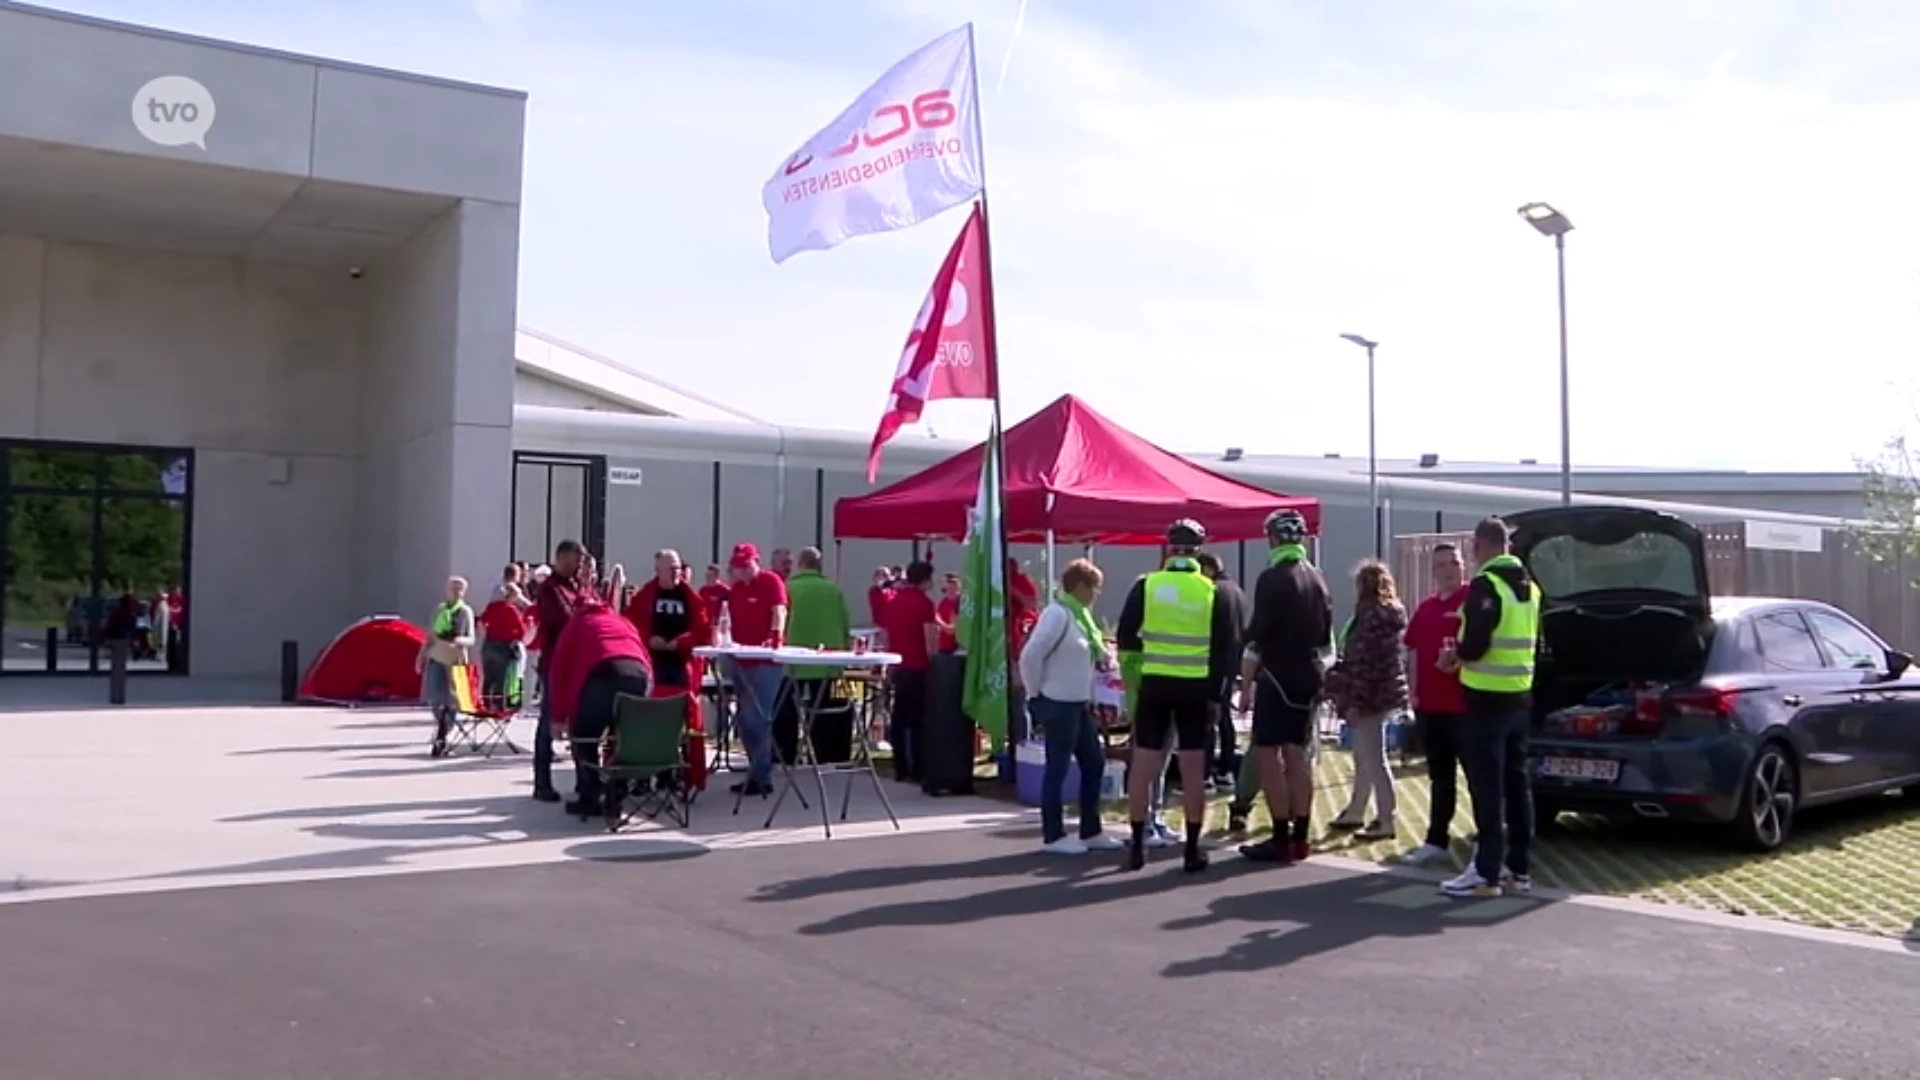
(1652, 708)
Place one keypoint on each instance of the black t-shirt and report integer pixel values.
(672, 616)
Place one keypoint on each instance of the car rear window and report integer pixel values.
(1566, 565)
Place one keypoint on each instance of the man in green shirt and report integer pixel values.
(816, 615)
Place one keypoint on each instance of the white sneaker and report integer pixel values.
(1161, 837)
(1066, 845)
(1427, 855)
(1102, 842)
(1470, 884)
(1514, 884)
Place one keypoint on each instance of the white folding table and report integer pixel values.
(810, 706)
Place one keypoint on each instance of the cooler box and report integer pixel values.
(1030, 764)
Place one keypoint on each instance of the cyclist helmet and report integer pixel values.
(1286, 527)
(1186, 533)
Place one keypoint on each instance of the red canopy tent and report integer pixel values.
(1076, 473)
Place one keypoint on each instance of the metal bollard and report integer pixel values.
(289, 671)
(53, 649)
(117, 672)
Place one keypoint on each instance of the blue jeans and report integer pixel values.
(1071, 738)
(543, 742)
(1494, 750)
(757, 687)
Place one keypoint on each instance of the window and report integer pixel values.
(1786, 643)
(1847, 644)
(1566, 565)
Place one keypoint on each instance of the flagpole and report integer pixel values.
(990, 323)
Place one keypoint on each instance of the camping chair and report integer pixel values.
(644, 770)
(479, 723)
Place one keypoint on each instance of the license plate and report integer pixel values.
(1577, 768)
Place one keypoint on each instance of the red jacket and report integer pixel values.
(595, 634)
(699, 624)
(502, 620)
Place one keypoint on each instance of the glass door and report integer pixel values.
(96, 550)
(555, 498)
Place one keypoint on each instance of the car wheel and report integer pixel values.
(1546, 816)
(1768, 800)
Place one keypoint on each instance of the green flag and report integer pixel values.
(983, 603)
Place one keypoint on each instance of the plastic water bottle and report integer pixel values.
(723, 631)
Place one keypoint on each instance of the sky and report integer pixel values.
(1192, 201)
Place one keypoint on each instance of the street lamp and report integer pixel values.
(1550, 222)
(1373, 454)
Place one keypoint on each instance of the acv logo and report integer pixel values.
(174, 110)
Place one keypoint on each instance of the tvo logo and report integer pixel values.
(174, 110)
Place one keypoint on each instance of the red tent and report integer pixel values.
(1073, 471)
(371, 662)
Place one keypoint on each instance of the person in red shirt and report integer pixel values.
(672, 620)
(757, 616)
(782, 563)
(912, 626)
(947, 614)
(598, 656)
(714, 593)
(1439, 704)
(503, 636)
(560, 593)
(878, 594)
(1023, 604)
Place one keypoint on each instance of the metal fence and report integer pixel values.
(1880, 594)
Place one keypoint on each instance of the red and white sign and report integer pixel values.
(905, 150)
(949, 353)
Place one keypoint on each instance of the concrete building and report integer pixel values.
(256, 330)
(635, 483)
(1835, 494)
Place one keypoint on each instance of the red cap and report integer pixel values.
(744, 555)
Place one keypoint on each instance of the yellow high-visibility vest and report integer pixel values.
(1176, 630)
(1507, 667)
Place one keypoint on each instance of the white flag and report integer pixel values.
(907, 149)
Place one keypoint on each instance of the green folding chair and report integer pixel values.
(643, 765)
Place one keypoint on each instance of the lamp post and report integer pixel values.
(1373, 454)
(1550, 222)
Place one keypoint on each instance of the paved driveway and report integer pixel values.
(955, 954)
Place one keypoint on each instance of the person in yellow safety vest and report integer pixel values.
(449, 644)
(1499, 635)
(1187, 649)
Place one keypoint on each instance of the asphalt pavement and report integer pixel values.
(958, 954)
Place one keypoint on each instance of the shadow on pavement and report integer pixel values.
(1064, 885)
(623, 849)
(324, 748)
(1327, 916)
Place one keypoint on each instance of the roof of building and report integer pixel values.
(570, 365)
(539, 427)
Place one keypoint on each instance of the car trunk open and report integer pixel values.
(1626, 599)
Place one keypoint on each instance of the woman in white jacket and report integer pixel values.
(1058, 665)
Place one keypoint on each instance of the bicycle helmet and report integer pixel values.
(1286, 527)
(1186, 533)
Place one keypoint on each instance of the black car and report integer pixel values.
(1653, 699)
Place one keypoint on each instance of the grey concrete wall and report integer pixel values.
(72, 80)
(245, 363)
(436, 432)
(529, 389)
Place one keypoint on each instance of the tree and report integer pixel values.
(1890, 485)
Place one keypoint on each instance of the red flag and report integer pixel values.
(947, 355)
